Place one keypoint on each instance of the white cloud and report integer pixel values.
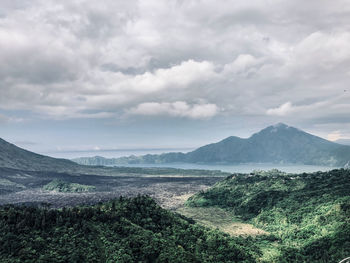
(282, 110)
(177, 76)
(333, 136)
(244, 63)
(176, 109)
(104, 91)
(77, 59)
(327, 49)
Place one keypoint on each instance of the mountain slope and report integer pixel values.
(12, 156)
(275, 144)
(307, 214)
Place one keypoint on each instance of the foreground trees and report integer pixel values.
(123, 230)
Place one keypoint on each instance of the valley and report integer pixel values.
(275, 216)
(18, 187)
(260, 216)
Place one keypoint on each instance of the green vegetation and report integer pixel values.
(215, 217)
(308, 215)
(123, 230)
(65, 187)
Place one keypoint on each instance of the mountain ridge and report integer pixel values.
(277, 143)
(12, 156)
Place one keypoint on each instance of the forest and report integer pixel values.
(307, 215)
(303, 218)
(121, 230)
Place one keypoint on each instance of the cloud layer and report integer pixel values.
(179, 59)
(176, 109)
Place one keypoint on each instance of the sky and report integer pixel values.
(83, 77)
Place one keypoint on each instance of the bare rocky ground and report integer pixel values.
(170, 191)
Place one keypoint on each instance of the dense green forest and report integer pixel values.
(307, 215)
(122, 230)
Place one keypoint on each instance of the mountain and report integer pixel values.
(132, 159)
(12, 156)
(279, 143)
(96, 160)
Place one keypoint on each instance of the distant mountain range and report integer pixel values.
(279, 143)
(14, 157)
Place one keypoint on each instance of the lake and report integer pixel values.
(233, 168)
(242, 168)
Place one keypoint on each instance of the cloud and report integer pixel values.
(105, 91)
(8, 119)
(244, 63)
(77, 59)
(281, 110)
(3, 118)
(176, 109)
(178, 76)
(336, 110)
(336, 135)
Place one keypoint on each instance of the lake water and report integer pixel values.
(242, 168)
(237, 168)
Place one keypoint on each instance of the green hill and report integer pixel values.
(279, 143)
(308, 215)
(123, 230)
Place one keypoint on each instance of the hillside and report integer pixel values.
(122, 230)
(275, 144)
(308, 215)
(14, 157)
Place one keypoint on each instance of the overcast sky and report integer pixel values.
(84, 75)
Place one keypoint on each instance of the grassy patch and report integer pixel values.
(66, 187)
(215, 217)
